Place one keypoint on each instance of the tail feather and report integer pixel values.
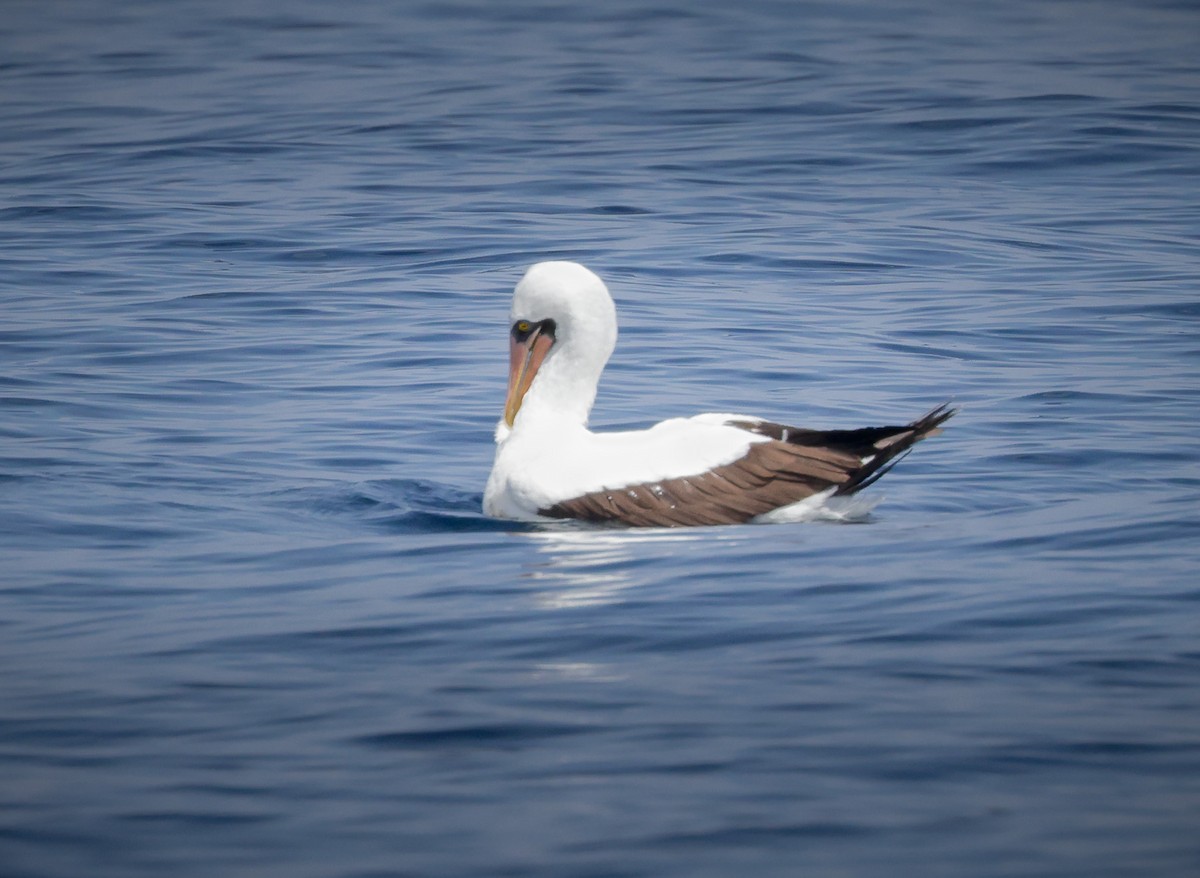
(895, 445)
(880, 448)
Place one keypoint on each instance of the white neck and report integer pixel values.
(585, 325)
(563, 391)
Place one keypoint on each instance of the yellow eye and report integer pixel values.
(523, 326)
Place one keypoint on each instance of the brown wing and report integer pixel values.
(796, 464)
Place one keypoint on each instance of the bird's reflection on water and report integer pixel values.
(579, 567)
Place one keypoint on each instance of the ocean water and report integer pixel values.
(254, 281)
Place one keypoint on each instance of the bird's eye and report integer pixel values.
(523, 326)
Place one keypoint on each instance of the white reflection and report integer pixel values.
(582, 672)
(578, 567)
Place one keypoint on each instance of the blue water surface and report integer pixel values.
(254, 288)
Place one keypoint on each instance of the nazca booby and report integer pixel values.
(708, 469)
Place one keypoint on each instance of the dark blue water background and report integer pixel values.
(254, 278)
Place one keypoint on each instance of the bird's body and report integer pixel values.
(708, 469)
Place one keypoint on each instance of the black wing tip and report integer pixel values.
(935, 418)
(930, 424)
(895, 448)
(874, 475)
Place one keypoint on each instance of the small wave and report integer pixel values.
(403, 506)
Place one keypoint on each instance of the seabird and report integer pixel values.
(705, 470)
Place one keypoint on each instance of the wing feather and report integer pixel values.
(793, 465)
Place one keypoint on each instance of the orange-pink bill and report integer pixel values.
(524, 360)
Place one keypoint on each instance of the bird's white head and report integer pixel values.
(563, 330)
